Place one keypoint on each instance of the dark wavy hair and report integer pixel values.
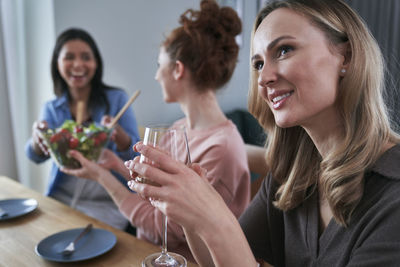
(205, 43)
(97, 94)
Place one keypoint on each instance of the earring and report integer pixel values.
(343, 71)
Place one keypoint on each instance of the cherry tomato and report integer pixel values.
(55, 138)
(78, 129)
(102, 137)
(73, 143)
(64, 131)
(97, 141)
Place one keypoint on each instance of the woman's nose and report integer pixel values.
(268, 75)
(78, 62)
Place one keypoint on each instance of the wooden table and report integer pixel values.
(19, 236)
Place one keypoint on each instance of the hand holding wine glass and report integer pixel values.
(172, 141)
(187, 197)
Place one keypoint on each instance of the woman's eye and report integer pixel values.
(258, 65)
(69, 56)
(283, 50)
(86, 57)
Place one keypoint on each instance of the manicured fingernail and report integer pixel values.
(132, 185)
(138, 147)
(131, 165)
(127, 163)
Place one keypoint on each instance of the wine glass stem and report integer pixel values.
(164, 239)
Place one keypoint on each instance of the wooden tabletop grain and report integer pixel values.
(19, 236)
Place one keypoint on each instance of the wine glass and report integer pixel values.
(173, 141)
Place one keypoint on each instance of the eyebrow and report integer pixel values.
(277, 40)
(274, 43)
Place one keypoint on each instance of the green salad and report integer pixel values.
(89, 140)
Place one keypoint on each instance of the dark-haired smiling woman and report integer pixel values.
(332, 195)
(77, 70)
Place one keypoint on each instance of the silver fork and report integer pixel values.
(3, 213)
(68, 250)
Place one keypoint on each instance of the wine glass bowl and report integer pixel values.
(173, 141)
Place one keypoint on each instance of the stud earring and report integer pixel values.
(343, 71)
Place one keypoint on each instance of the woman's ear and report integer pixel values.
(179, 70)
(345, 51)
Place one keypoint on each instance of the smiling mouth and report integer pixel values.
(279, 98)
(77, 74)
(78, 77)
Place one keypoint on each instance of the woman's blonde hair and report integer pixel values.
(291, 155)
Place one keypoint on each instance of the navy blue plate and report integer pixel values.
(16, 207)
(93, 244)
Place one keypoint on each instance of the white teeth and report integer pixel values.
(77, 74)
(276, 99)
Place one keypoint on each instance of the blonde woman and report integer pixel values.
(331, 197)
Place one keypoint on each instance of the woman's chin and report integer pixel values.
(168, 99)
(284, 123)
